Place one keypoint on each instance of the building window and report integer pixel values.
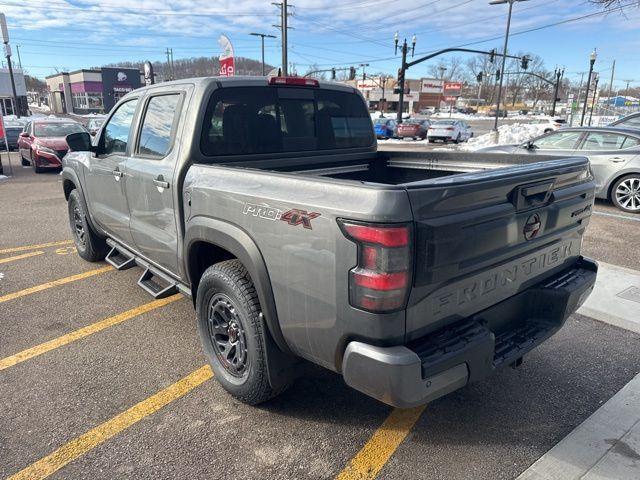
(87, 100)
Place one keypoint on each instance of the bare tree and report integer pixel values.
(611, 3)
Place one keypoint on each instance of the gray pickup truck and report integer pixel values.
(266, 201)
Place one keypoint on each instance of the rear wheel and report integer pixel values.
(233, 333)
(457, 140)
(625, 193)
(90, 246)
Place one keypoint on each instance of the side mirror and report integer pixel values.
(80, 142)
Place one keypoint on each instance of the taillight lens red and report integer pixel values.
(296, 81)
(381, 280)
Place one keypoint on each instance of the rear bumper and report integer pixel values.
(470, 350)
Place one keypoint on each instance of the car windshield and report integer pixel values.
(56, 129)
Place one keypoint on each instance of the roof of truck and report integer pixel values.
(203, 82)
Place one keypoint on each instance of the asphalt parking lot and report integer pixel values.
(99, 381)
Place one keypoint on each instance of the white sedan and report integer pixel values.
(449, 130)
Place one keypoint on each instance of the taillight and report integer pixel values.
(381, 280)
(450, 128)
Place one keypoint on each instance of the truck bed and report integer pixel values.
(406, 168)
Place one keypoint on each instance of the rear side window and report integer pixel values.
(158, 124)
(254, 120)
(603, 141)
(631, 122)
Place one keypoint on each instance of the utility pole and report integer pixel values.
(558, 73)
(19, 59)
(504, 54)
(595, 95)
(401, 72)
(284, 30)
(7, 52)
(613, 71)
(592, 60)
(262, 37)
(168, 75)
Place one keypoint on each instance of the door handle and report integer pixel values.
(159, 182)
(617, 159)
(117, 174)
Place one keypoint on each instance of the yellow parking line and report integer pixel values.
(94, 437)
(20, 257)
(84, 332)
(34, 247)
(54, 283)
(376, 453)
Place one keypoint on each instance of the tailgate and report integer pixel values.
(482, 237)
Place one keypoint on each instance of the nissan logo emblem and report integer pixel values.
(532, 226)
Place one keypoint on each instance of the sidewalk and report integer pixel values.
(606, 446)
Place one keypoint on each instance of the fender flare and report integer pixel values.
(71, 175)
(237, 242)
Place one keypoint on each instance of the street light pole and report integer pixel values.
(504, 53)
(401, 72)
(595, 94)
(592, 61)
(559, 74)
(262, 37)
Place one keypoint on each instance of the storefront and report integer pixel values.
(91, 91)
(7, 104)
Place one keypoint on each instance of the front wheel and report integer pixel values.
(625, 193)
(90, 246)
(233, 333)
(25, 162)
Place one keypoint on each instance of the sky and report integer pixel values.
(72, 34)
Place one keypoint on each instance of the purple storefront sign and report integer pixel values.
(86, 87)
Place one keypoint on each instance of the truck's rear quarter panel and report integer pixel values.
(308, 267)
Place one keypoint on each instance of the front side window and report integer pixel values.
(558, 141)
(157, 125)
(630, 122)
(603, 141)
(254, 120)
(115, 135)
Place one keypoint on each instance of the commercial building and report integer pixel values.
(7, 106)
(91, 91)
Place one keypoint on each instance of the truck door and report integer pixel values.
(106, 177)
(151, 180)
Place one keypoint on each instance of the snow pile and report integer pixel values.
(516, 133)
(39, 108)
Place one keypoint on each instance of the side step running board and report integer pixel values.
(120, 260)
(156, 284)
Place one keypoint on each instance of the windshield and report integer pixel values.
(56, 129)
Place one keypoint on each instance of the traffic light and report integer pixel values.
(352, 73)
(524, 62)
(498, 74)
(400, 77)
(479, 77)
(492, 55)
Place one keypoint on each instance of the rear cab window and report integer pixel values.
(257, 120)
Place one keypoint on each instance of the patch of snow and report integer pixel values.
(3, 177)
(516, 133)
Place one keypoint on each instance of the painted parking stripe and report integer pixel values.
(98, 435)
(84, 332)
(35, 247)
(617, 215)
(20, 257)
(376, 452)
(54, 283)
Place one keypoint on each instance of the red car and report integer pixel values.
(413, 129)
(42, 143)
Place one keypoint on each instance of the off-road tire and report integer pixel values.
(231, 279)
(90, 246)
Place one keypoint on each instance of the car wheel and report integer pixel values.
(90, 246)
(457, 140)
(625, 193)
(233, 333)
(25, 162)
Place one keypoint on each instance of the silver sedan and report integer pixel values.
(614, 154)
